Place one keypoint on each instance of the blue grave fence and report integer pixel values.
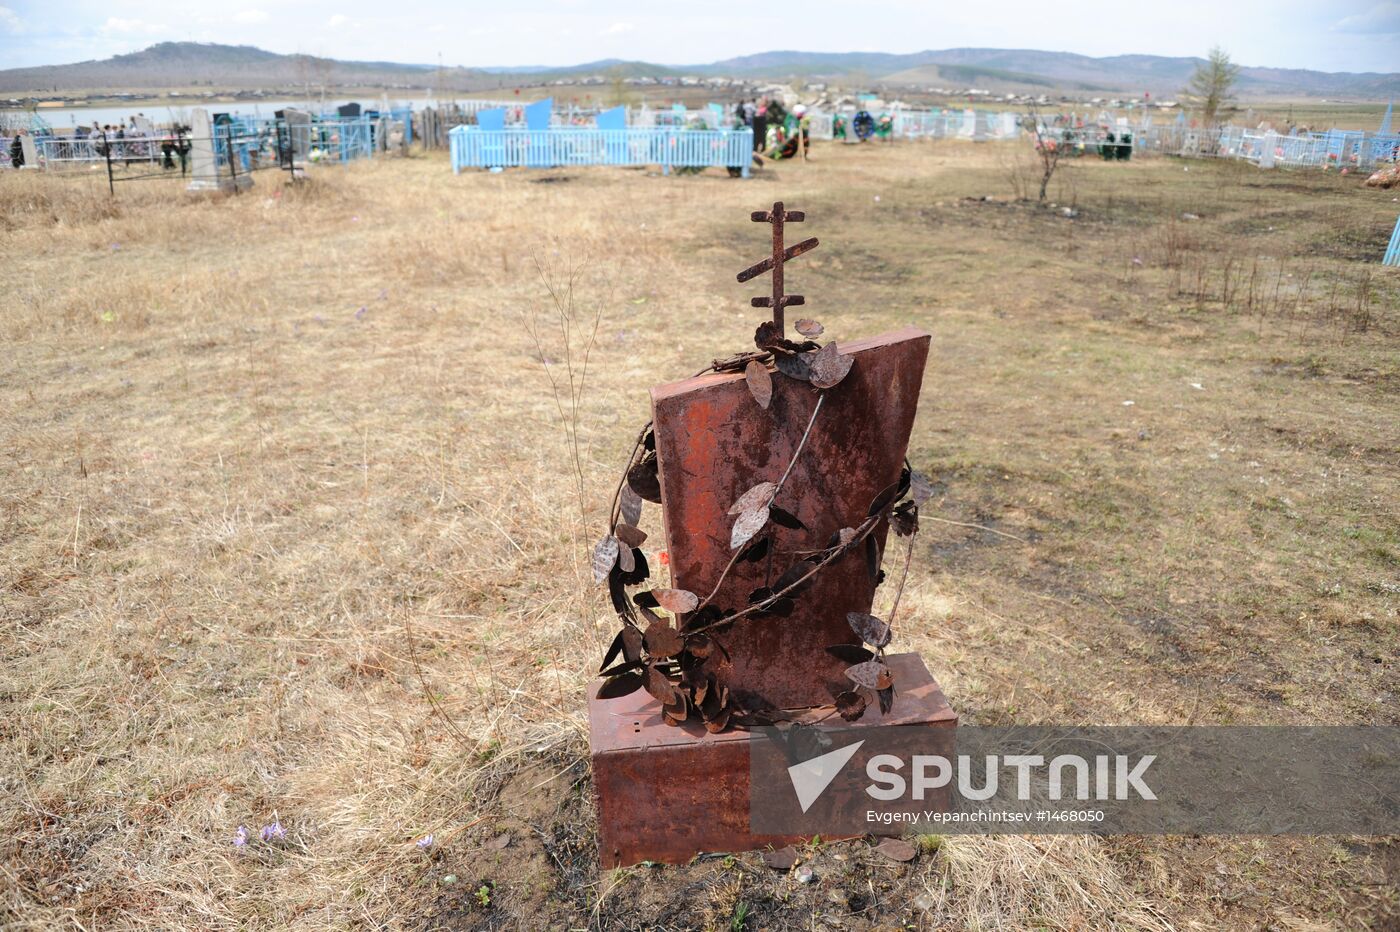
(251, 141)
(1392, 252)
(666, 146)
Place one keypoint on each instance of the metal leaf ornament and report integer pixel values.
(604, 558)
(872, 675)
(830, 366)
(676, 601)
(753, 498)
(851, 705)
(795, 367)
(630, 535)
(920, 488)
(620, 686)
(645, 480)
(872, 630)
(662, 640)
(749, 524)
(629, 505)
(760, 383)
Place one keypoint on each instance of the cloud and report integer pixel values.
(338, 20)
(617, 29)
(115, 25)
(1381, 19)
(10, 21)
(251, 17)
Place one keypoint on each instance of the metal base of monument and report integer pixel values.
(667, 793)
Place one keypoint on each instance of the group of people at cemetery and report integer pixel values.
(777, 132)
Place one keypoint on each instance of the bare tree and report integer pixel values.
(1210, 87)
(324, 68)
(1048, 146)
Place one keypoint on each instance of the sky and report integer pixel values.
(1326, 36)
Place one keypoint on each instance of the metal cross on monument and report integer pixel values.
(777, 301)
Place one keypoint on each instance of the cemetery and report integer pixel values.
(329, 499)
(940, 489)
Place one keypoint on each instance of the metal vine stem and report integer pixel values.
(772, 498)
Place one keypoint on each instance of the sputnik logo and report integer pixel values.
(811, 777)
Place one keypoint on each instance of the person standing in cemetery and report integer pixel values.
(17, 152)
(760, 128)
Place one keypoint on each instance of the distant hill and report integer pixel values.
(181, 64)
(1024, 69)
(177, 64)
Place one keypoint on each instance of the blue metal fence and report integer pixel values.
(667, 146)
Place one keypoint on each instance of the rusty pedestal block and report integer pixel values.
(714, 443)
(667, 793)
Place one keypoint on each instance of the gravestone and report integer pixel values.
(492, 120)
(616, 118)
(539, 114)
(205, 173)
(827, 428)
(298, 123)
(1266, 149)
(31, 151)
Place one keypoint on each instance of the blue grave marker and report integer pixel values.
(1392, 253)
(616, 118)
(537, 116)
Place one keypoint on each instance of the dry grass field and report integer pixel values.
(290, 531)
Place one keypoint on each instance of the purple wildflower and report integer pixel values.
(273, 832)
(425, 842)
(240, 837)
(360, 314)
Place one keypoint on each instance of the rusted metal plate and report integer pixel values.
(714, 442)
(667, 794)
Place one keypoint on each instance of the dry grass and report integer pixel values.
(290, 529)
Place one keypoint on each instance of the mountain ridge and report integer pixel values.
(173, 64)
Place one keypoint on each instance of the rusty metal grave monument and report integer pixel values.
(780, 473)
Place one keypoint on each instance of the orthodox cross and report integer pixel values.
(777, 217)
